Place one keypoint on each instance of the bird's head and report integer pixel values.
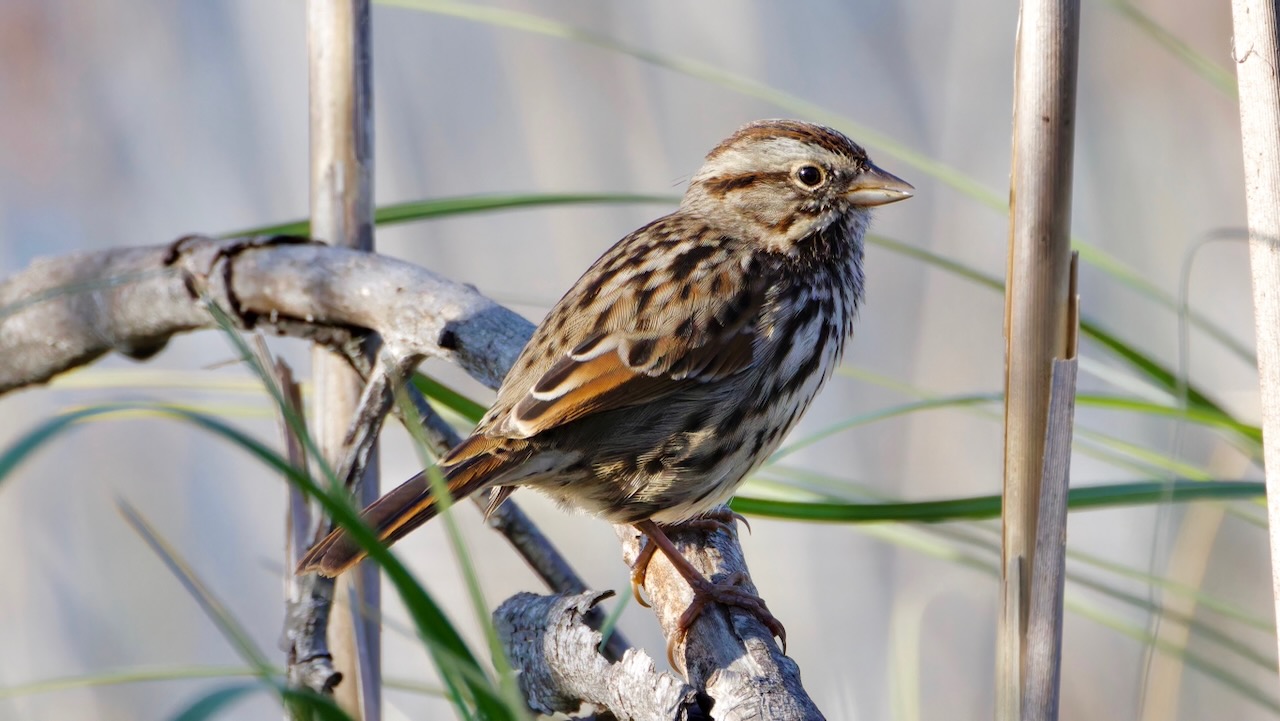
(782, 181)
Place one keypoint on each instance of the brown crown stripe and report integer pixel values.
(825, 138)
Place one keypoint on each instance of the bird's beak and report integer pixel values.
(874, 186)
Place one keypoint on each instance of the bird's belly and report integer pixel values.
(678, 461)
(693, 495)
(709, 465)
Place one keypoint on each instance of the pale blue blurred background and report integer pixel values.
(135, 121)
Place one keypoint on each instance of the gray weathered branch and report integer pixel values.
(728, 651)
(560, 668)
(65, 312)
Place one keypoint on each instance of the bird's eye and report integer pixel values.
(810, 175)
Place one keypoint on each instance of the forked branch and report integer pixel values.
(65, 312)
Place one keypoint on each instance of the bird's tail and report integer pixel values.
(473, 465)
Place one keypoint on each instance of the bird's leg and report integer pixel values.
(720, 518)
(704, 591)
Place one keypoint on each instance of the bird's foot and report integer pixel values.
(730, 593)
(705, 592)
(721, 518)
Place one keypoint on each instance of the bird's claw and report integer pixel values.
(730, 593)
(640, 571)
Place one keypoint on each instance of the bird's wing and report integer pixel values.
(649, 330)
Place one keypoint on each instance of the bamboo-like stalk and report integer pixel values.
(1042, 658)
(1036, 302)
(338, 40)
(1257, 61)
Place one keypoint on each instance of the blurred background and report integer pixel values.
(135, 121)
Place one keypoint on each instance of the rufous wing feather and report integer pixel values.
(626, 367)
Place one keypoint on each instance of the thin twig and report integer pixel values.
(309, 663)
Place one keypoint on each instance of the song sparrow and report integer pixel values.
(679, 361)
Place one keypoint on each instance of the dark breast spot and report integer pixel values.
(733, 420)
(706, 461)
(654, 466)
(808, 310)
(696, 421)
(810, 365)
(735, 311)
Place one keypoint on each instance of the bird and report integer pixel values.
(680, 359)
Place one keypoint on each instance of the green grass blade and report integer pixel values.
(1136, 459)
(1153, 369)
(211, 704)
(982, 507)
(457, 666)
(1218, 76)
(451, 399)
(749, 87)
(312, 704)
(985, 537)
(1211, 603)
(741, 84)
(937, 260)
(444, 207)
(144, 674)
(1199, 414)
(612, 619)
(231, 629)
(440, 489)
(959, 401)
(917, 539)
(465, 678)
(1192, 660)
(128, 676)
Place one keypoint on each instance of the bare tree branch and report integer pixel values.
(560, 668)
(728, 652)
(65, 312)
